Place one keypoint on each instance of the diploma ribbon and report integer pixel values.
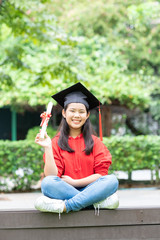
(45, 118)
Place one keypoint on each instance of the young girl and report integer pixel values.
(76, 161)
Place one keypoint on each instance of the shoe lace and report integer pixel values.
(97, 210)
(59, 215)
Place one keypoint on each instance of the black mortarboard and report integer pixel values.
(77, 93)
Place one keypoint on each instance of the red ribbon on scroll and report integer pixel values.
(45, 117)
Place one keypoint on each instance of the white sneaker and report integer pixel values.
(112, 202)
(46, 204)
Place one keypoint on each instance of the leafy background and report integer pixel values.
(112, 47)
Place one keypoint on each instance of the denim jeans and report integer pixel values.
(78, 198)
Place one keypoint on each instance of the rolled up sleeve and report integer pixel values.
(102, 158)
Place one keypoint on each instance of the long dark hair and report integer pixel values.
(87, 132)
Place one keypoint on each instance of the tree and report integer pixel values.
(108, 46)
(36, 56)
(130, 32)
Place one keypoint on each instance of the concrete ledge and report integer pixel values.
(137, 223)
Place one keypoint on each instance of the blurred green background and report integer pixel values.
(112, 47)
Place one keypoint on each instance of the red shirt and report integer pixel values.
(77, 164)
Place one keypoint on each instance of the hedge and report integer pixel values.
(21, 161)
(32, 132)
(134, 153)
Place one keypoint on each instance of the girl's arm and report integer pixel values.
(80, 182)
(50, 167)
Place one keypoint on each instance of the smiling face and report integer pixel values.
(75, 115)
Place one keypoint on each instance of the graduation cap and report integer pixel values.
(77, 93)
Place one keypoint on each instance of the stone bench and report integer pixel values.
(122, 223)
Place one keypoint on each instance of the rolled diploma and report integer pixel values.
(44, 126)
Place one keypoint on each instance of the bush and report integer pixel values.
(33, 132)
(134, 153)
(20, 164)
(21, 161)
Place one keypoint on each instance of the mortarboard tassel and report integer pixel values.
(100, 124)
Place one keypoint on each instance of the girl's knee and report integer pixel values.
(47, 181)
(112, 180)
(116, 182)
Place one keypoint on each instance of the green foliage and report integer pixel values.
(112, 52)
(128, 154)
(36, 56)
(131, 32)
(31, 134)
(88, 18)
(134, 153)
(21, 162)
(106, 72)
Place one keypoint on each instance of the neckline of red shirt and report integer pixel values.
(79, 136)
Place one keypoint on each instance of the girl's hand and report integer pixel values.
(46, 142)
(69, 180)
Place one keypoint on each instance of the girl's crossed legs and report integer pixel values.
(76, 199)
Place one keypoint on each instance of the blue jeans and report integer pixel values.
(78, 198)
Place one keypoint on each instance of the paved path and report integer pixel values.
(140, 197)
